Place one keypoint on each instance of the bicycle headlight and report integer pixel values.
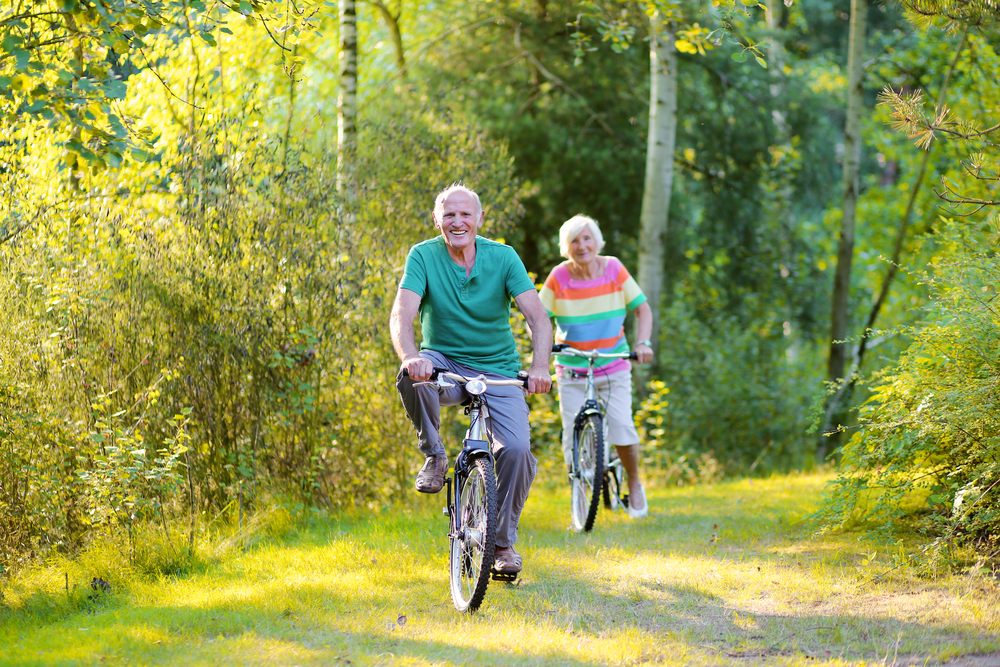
(475, 386)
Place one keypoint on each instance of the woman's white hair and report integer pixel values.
(572, 228)
(448, 191)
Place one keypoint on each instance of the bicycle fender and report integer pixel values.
(585, 412)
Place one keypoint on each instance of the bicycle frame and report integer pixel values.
(591, 405)
(474, 445)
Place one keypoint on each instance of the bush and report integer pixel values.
(219, 336)
(739, 400)
(927, 452)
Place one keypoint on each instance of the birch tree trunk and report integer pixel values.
(845, 252)
(347, 99)
(776, 70)
(659, 166)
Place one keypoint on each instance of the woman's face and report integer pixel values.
(583, 248)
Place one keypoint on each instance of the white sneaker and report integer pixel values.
(638, 514)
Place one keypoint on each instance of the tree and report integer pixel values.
(850, 188)
(659, 163)
(347, 98)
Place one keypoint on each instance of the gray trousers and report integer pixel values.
(507, 429)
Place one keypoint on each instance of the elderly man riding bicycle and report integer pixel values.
(461, 285)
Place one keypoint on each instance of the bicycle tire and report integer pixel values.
(587, 479)
(474, 540)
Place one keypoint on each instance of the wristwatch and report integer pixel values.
(644, 342)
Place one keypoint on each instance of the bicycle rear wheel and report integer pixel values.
(588, 474)
(474, 538)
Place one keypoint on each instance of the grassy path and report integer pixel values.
(722, 575)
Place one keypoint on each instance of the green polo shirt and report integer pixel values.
(468, 319)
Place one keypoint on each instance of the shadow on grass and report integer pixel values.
(697, 582)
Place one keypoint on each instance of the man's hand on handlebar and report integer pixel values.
(418, 368)
(539, 381)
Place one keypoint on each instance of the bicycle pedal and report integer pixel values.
(508, 577)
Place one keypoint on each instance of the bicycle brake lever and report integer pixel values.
(440, 382)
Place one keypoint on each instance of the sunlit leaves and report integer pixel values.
(926, 446)
(103, 42)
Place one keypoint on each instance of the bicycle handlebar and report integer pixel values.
(437, 372)
(564, 348)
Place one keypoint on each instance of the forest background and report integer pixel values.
(206, 206)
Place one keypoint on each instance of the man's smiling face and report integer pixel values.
(459, 219)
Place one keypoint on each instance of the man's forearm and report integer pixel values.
(403, 338)
(541, 343)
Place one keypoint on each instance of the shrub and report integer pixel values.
(927, 451)
(739, 399)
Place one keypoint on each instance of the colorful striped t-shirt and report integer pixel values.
(590, 314)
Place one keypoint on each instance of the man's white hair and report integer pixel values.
(572, 228)
(450, 190)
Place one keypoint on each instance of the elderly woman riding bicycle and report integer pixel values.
(589, 296)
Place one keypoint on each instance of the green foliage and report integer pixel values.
(736, 396)
(208, 329)
(124, 483)
(68, 62)
(953, 14)
(928, 444)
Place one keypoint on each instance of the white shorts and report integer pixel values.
(614, 393)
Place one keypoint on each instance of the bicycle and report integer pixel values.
(472, 511)
(594, 473)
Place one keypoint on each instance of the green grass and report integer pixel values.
(721, 575)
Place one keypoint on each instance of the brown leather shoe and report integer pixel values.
(430, 479)
(507, 561)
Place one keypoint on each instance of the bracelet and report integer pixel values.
(644, 342)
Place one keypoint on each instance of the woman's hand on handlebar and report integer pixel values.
(418, 368)
(643, 353)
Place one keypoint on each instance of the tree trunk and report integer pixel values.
(659, 167)
(843, 394)
(845, 252)
(776, 71)
(392, 22)
(347, 100)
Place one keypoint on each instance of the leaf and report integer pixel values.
(740, 57)
(685, 46)
(115, 89)
(22, 57)
(11, 41)
(761, 62)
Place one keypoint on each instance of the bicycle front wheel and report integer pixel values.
(474, 539)
(588, 474)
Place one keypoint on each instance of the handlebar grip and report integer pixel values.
(634, 356)
(559, 347)
(434, 373)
